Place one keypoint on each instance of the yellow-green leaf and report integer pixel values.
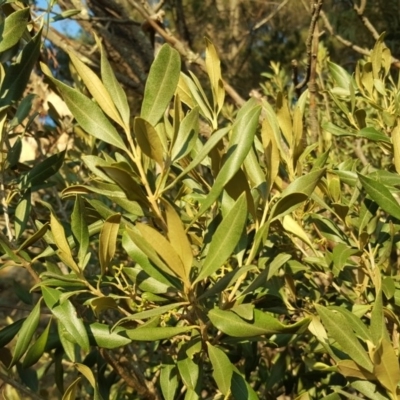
(108, 240)
(396, 146)
(213, 67)
(148, 140)
(64, 250)
(96, 89)
(164, 249)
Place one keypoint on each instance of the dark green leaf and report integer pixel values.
(37, 349)
(12, 28)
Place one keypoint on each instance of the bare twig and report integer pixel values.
(366, 52)
(316, 9)
(265, 20)
(183, 50)
(19, 387)
(367, 23)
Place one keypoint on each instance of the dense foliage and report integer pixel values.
(198, 250)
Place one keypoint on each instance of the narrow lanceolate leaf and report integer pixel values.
(161, 84)
(396, 146)
(8, 333)
(22, 213)
(187, 135)
(26, 333)
(296, 193)
(222, 368)
(177, 237)
(158, 333)
(114, 88)
(242, 139)
(96, 89)
(37, 349)
(100, 335)
(13, 28)
(64, 250)
(213, 67)
(80, 228)
(18, 73)
(71, 392)
(88, 374)
(169, 381)
(66, 314)
(264, 324)
(148, 140)
(189, 372)
(108, 240)
(225, 238)
(87, 113)
(381, 195)
(386, 366)
(340, 330)
(164, 249)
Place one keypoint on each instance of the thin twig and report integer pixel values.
(18, 386)
(316, 9)
(183, 50)
(366, 52)
(367, 23)
(265, 20)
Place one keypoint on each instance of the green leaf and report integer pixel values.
(202, 154)
(18, 73)
(296, 193)
(223, 369)
(113, 87)
(87, 113)
(341, 254)
(177, 237)
(241, 390)
(164, 249)
(154, 312)
(378, 326)
(8, 333)
(342, 78)
(368, 389)
(242, 139)
(12, 28)
(66, 314)
(108, 241)
(101, 335)
(386, 366)
(169, 381)
(189, 372)
(88, 374)
(96, 89)
(187, 135)
(148, 140)
(340, 330)
(64, 250)
(71, 392)
(44, 170)
(374, 135)
(158, 333)
(161, 84)
(26, 333)
(225, 238)
(37, 349)
(381, 195)
(22, 213)
(213, 67)
(80, 229)
(231, 324)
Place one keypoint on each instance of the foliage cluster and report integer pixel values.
(204, 252)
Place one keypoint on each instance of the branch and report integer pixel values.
(183, 50)
(360, 50)
(19, 387)
(316, 10)
(367, 23)
(259, 24)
